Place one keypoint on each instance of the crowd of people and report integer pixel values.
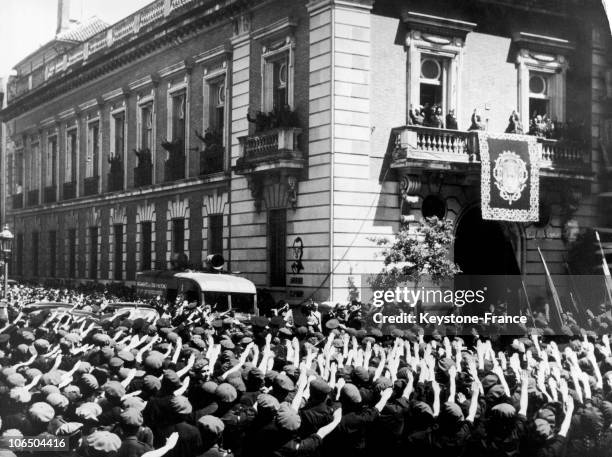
(188, 382)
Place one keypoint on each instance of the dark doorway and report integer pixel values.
(484, 252)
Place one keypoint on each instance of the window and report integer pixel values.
(118, 135)
(178, 117)
(277, 246)
(118, 254)
(146, 233)
(72, 253)
(50, 176)
(35, 251)
(277, 81)
(538, 94)
(216, 105)
(146, 126)
(433, 81)
(34, 167)
(93, 252)
(215, 234)
(178, 236)
(52, 252)
(18, 174)
(20, 254)
(71, 156)
(93, 150)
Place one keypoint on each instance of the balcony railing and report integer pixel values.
(211, 160)
(270, 143)
(33, 197)
(18, 201)
(69, 190)
(90, 185)
(115, 181)
(428, 145)
(50, 195)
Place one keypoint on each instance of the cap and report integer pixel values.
(288, 419)
(151, 383)
(131, 417)
(212, 425)
(268, 402)
(350, 393)
(57, 400)
(89, 411)
(226, 393)
(283, 382)
(180, 405)
(68, 428)
(103, 442)
(114, 389)
(42, 412)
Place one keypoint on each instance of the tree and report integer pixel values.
(415, 256)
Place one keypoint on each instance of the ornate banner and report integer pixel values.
(510, 178)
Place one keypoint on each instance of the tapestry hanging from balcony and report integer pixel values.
(509, 179)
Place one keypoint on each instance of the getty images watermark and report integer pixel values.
(440, 300)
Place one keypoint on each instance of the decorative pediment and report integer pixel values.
(436, 26)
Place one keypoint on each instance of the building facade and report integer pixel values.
(281, 134)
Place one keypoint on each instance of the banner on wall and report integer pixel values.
(510, 178)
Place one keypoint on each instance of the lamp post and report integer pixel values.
(6, 250)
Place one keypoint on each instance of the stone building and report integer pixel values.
(278, 133)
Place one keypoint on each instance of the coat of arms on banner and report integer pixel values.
(509, 177)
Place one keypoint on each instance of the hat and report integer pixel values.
(57, 400)
(332, 324)
(88, 380)
(151, 383)
(132, 417)
(503, 410)
(226, 393)
(47, 390)
(52, 378)
(283, 382)
(227, 344)
(89, 411)
(350, 393)
(16, 380)
(212, 425)
(114, 389)
(115, 362)
(180, 405)
(20, 395)
(360, 375)
(287, 418)
(72, 392)
(134, 402)
(268, 402)
(209, 387)
(42, 412)
(319, 387)
(103, 442)
(154, 360)
(171, 379)
(68, 428)
(41, 345)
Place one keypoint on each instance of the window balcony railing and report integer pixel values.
(90, 185)
(69, 190)
(174, 166)
(18, 201)
(50, 195)
(413, 145)
(143, 172)
(33, 197)
(279, 145)
(115, 173)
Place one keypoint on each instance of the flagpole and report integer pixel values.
(553, 289)
(606, 269)
(528, 303)
(574, 290)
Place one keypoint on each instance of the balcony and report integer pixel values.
(17, 201)
(174, 166)
(50, 195)
(90, 185)
(69, 190)
(115, 174)
(143, 173)
(269, 150)
(428, 148)
(33, 197)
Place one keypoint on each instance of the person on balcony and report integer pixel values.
(451, 120)
(415, 116)
(514, 124)
(477, 123)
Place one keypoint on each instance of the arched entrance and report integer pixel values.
(489, 255)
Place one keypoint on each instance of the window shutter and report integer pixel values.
(268, 89)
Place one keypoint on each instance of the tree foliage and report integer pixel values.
(417, 255)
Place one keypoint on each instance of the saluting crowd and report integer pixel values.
(189, 381)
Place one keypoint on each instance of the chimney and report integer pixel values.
(63, 15)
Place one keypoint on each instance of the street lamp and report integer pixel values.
(6, 249)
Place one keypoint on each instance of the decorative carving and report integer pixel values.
(410, 185)
(292, 184)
